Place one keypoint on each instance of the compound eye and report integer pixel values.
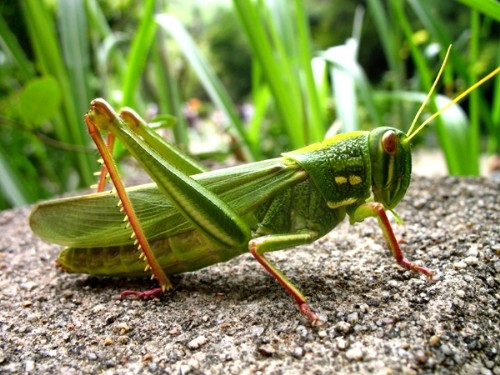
(390, 142)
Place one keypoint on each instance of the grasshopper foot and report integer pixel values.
(306, 310)
(147, 294)
(413, 267)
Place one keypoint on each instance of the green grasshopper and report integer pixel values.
(192, 218)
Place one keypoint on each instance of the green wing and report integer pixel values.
(95, 221)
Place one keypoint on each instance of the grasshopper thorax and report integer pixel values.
(390, 158)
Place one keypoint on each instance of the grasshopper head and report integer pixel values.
(390, 155)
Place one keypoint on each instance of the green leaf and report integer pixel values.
(40, 100)
(490, 8)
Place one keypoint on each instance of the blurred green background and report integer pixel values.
(245, 79)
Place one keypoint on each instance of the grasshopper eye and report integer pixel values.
(390, 142)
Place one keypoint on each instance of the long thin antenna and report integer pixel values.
(419, 112)
(454, 101)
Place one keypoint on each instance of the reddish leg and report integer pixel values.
(377, 209)
(261, 245)
(103, 113)
(110, 142)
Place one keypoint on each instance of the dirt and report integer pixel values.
(234, 318)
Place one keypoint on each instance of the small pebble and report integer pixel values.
(408, 371)
(301, 330)
(32, 318)
(108, 341)
(393, 283)
(266, 350)
(387, 321)
(434, 340)
(490, 281)
(257, 330)
(147, 357)
(419, 203)
(342, 344)
(460, 293)
(322, 333)
(496, 249)
(153, 367)
(343, 327)
(30, 285)
(364, 308)
(98, 308)
(174, 331)
(489, 364)
(123, 340)
(68, 294)
(446, 349)
(471, 261)
(354, 354)
(197, 342)
(420, 356)
(353, 318)
(29, 366)
(91, 356)
(193, 364)
(473, 251)
(298, 352)
(459, 265)
(123, 328)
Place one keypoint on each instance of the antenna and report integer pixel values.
(419, 112)
(454, 101)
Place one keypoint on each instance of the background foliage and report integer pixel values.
(250, 78)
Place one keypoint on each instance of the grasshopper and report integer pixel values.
(191, 218)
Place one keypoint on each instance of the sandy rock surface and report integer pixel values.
(234, 318)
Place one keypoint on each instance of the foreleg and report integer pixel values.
(375, 209)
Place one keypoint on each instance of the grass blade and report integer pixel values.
(206, 75)
(138, 54)
(490, 8)
(11, 185)
(315, 115)
(276, 65)
(73, 26)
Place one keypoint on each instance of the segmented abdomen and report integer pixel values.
(184, 252)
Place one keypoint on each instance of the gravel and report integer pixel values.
(234, 318)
